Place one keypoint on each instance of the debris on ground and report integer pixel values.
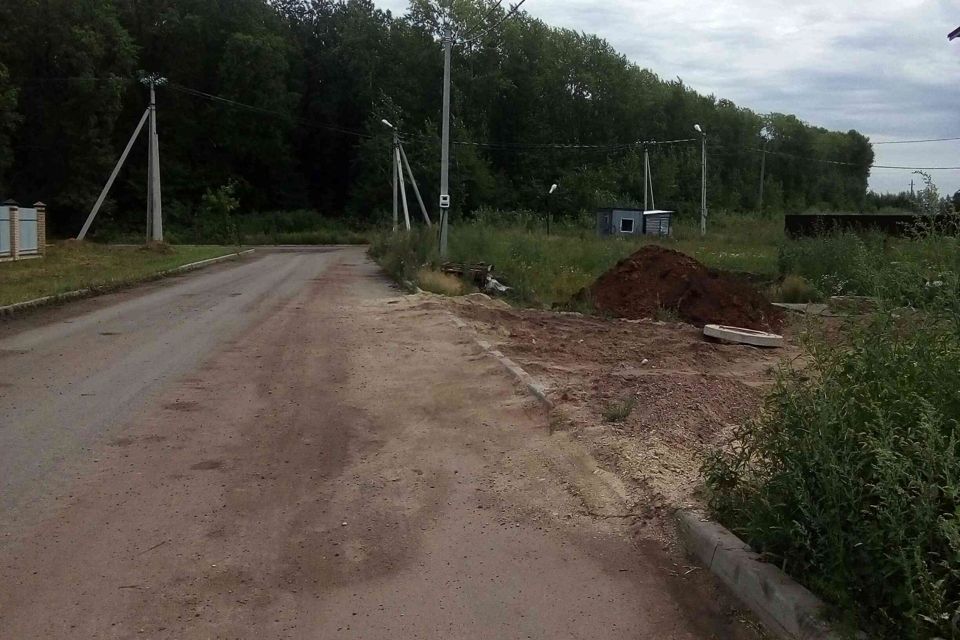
(655, 279)
(480, 274)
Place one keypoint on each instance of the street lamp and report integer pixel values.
(553, 188)
(703, 179)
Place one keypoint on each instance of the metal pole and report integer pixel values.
(445, 144)
(703, 187)
(396, 173)
(156, 205)
(416, 189)
(653, 200)
(403, 187)
(646, 178)
(763, 169)
(113, 176)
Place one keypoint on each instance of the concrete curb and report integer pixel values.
(538, 389)
(12, 309)
(786, 608)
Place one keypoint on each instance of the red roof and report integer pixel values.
(954, 34)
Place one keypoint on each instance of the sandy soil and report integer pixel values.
(689, 394)
(347, 464)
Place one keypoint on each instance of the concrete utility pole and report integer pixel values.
(648, 183)
(396, 174)
(763, 168)
(703, 179)
(154, 204)
(416, 189)
(445, 143)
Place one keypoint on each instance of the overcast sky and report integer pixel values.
(883, 67)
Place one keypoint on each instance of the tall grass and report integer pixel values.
(549, 269)
(850, 478)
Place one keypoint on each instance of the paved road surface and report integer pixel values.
(280, 448)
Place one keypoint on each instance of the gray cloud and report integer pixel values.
(883, 67)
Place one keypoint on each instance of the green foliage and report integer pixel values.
(318, 77)
(795, 289)
(620, 410)
(850, 478)
(550, 269)
(215, 222)
(402, 254)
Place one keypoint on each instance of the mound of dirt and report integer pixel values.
(654, 279)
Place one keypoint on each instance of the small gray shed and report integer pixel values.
(621, 222)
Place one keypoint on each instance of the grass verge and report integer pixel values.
(71, 266)
(549, 269)
(850, 477)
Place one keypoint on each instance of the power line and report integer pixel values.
(853, 164)
(916, 141)
(470, 30)
(494, 27)
(519, 146)
(254, 109)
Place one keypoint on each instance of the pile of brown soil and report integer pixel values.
(655, 278)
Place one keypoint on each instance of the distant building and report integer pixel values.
(954, 34)
(621, 222)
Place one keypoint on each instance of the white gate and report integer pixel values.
(28, 231)
(4, 232)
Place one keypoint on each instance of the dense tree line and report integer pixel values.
(319, 75)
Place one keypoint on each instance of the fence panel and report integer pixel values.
(28, 231)
(4, 231)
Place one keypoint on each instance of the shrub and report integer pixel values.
(795, 289)
(215, 223)
(619, 411)
(403, 254)
(850, 477)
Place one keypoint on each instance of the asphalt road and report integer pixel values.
(283, 448)
(71, 380)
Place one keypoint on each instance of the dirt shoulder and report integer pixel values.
(687, 394)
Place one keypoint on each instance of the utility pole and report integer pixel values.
(445, 143)
(396, 174)
(763, 168)
(911, 188)
(154, 203)
(646, 179)
(648, 183)
(703, 179)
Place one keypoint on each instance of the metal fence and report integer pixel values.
(4, 232)
(22, 230)
(28, 231)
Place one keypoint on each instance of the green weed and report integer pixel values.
(620, 410)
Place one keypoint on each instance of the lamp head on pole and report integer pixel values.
(552, 189)
(698, 129)
(387, 123)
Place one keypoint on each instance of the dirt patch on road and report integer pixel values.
(686, 394)
(655, 279)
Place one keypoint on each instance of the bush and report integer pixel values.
(795, 289)
(619, 411)
(403, 254)
(214, 222)
(850, 477)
